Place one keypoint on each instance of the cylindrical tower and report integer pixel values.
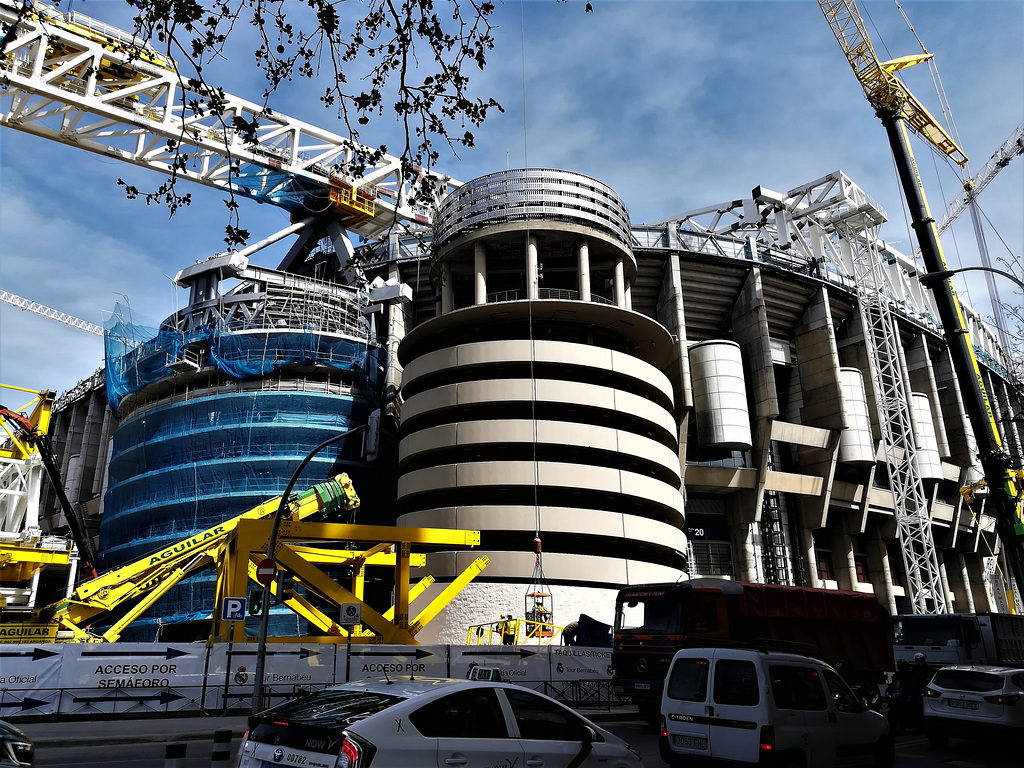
(929, 463)
(535, 402)
(856, 445)
(218, 407)
(719, 395)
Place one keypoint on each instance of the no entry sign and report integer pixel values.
(266, 571)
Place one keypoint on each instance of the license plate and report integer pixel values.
(962, 704)
(643, 686)
(693, 742)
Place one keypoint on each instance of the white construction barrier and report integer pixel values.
(87, 679)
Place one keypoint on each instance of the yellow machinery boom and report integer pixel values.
(236, 545)
(881, 86)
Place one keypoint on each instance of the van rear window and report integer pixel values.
(688, 680)
(736, 683)
(797, 688)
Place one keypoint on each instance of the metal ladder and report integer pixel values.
(774, 552)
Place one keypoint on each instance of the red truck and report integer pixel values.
(846, 629)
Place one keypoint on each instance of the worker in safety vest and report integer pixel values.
(508, 631)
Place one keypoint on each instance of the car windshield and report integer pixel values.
(658, 612)
(925, 630)
(967, 680)
(332, 709)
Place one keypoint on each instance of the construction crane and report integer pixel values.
(61, 317)
(899, 110)
(76, 80)
(1001, 158)
(27, 439)
(973, 187)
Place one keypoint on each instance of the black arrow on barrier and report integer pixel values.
(24, 704)
(521, 653)
(420, 653)
(165, 697)
(305, 653)
(35, 653)
(170, 653)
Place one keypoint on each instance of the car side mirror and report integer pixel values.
(589, 736)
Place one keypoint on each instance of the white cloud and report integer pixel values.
(675, 104)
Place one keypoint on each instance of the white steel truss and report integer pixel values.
(832, 219)
(61, 317)
(799, 223)
(81, 82)
(892, 403)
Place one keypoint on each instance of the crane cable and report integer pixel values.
(529, 301)
(940, 92)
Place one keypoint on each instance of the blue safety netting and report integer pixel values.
(139, 354)
(197, 459)
(189, 465)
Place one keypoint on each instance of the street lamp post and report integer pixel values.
(931, 278)
(261, 648)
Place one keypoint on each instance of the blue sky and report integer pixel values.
(675, 104)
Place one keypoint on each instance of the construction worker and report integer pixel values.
(508, 633)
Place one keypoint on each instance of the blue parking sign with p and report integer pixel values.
(233, 609)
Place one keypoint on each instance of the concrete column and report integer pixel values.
(882, 554)
(447, 297)
(822, 401)
(965, 580)
(619, 284)
(480, 270)
(844, 561)
(532, 270)
(628, 293)
(745, 565)
(583, 269)
(947, 590)
(810, 557)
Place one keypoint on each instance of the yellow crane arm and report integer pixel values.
(881, 86)
(118, 587)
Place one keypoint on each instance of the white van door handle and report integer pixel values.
(536, 762)
(456, 761)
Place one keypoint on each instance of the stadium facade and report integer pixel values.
(699, 396)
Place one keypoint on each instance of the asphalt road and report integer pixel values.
(141, 743)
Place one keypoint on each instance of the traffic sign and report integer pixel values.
(233, 609)
(266, 571)
(351, 614)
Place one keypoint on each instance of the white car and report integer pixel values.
(16, 749)
(974, 702)
(402, 722)
(744, 706)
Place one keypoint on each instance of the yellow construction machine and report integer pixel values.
(236, 546)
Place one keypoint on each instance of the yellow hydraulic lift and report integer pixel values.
(23, 551)
(236, 545)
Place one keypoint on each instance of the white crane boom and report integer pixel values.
(1012, 147)
(73, 79)
(52, 314)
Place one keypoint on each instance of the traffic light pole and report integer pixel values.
(261, 649)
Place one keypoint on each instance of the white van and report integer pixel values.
(751, 706)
